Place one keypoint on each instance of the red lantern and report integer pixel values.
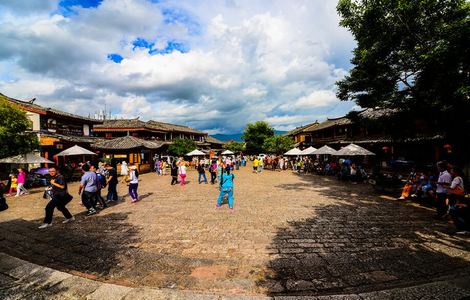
(385, 149)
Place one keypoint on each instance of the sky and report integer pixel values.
(212, 65)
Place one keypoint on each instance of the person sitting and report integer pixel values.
(410, 185)
(459, 209)
(353, 173)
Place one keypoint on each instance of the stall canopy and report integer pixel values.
(75, 150)
(28, 158)
(308, 151)
(294, 151)
(353, 150)
(325, 150)
(227, 152)
(195, 153)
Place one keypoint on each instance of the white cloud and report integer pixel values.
(266, 60)
(315, 99)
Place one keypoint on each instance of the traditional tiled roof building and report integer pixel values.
(56, 129)
(151, 130)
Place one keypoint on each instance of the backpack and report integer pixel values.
(101, 180)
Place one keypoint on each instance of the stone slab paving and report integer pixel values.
(290, 235)
(23, 280)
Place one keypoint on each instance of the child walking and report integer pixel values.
(133, 183)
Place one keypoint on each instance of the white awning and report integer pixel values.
(195, 153)
(308, 151)
(75, 150)
(353, 150)
(294, 151)
(325, 150)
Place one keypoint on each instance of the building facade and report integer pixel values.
(57, 130)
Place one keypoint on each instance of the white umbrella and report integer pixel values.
(325, 150)
(308, 151)
(28, 158)
(295, 151)
(227, 152)
(195, 153)
(75, 150)
(353, 150)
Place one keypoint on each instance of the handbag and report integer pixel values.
(47, 193)
(458, 191)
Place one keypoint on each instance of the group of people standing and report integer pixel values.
(95, 178)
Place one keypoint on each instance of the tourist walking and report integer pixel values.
(133, 183)
(163, 167)
(111, 182)
(13, 183)
(226, 188)
(158, 167)
(202, 172)
(213, 171)
(88, 189)
(100, 184)
(59, 198)
(174, 172)
(255, 165)
(124, 169)
(20, 190)
(444, 180)
(182, 172)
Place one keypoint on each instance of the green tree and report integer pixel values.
(15, 130)
(255, 134)
(180, 147)
(278, 144)
(413, 57)
(235, 146)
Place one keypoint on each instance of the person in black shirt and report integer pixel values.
(174, 172)
(60, 198)
(202, 172)
(112, 182)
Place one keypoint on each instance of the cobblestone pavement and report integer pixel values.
(289, 235)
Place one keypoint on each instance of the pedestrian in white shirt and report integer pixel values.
(445, 179)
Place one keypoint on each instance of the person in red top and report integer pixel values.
(20, 190)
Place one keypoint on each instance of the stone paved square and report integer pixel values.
(289, 235)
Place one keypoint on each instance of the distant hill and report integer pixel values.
(237, 136)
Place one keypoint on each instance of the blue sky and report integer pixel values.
(212, 65)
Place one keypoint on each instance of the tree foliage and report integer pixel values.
(411, 56)
(180, 147)
(15, 131)
(255, 134)
(235, 146)
(278, 144)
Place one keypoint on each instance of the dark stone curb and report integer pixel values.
(20, 279)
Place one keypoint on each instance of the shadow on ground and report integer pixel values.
(362, 244)
(104, 247)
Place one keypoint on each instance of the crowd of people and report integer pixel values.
(444, 190)
(95, 178)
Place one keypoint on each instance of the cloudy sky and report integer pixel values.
(213, 65)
